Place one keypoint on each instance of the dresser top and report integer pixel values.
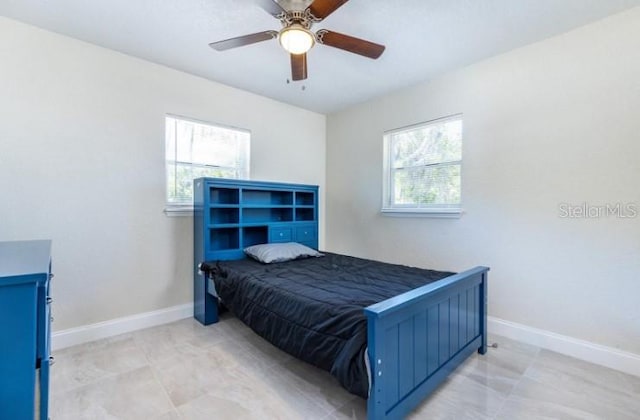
(22, 258)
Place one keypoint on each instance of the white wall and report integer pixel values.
(556, 121)
(82, 163)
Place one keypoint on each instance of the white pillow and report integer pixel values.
(280, 252)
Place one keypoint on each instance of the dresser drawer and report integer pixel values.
(306, 232)
(280, 234)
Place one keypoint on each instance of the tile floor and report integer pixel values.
(187, 371)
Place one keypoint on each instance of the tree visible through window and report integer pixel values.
(423, 166)
(197, 149)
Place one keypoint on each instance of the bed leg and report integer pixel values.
(483, 314)
(483, 348)
(205, 307)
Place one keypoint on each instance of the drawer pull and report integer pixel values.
(51, 319)
(49, 300)
(52, 360)
(281, 234)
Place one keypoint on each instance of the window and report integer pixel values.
(423, 167)
(195, 149)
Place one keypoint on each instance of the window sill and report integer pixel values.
(178, 211)
(416, 212)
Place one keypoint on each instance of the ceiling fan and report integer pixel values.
(296, 36)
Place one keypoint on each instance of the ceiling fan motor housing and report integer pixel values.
(301, 17)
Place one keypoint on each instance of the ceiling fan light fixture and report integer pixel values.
(296, 39)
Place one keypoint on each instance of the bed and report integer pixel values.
(324, 311)
(409, 339)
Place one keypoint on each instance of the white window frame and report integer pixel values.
(184, 209)
(388, 193)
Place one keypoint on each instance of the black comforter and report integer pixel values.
(313, 308)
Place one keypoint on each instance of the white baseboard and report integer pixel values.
(580, 349)
(87, 333)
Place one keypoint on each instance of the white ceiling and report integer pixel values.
(424, 38)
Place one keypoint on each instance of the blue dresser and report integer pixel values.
(230, 215)
(25, 271)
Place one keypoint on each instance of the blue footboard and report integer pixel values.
(416, 339)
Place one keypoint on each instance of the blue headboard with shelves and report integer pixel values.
(230, 215)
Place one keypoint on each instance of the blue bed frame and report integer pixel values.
(415, 340)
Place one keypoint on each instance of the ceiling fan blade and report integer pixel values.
(241, 41)
(323, 8)
(298, 66)
(270, 6)
(349, 43)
